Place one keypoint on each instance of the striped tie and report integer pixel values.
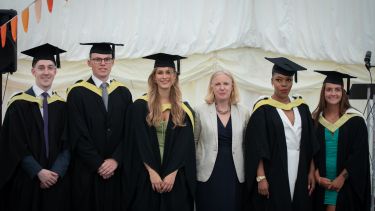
(103, 86)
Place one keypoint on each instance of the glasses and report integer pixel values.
(100, 60)
(49, 67)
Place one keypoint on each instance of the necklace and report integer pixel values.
(222, 112)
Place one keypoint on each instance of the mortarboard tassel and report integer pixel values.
(58, 61)
(178, 67)
(113, 51)
(348, 86)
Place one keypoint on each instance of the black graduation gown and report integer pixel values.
(96, 135)
(22, 135)
(179, 154)
(265, 139)
(353, 155)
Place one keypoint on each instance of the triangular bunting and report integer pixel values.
(13, 27)
(38, 10)
(50, 5)
(25, 19)
(3, 30)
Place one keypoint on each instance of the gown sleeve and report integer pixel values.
(357, 163)
(256, 144)
(79, 135)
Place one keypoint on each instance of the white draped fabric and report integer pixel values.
(215, 34)
(251, 71)
(333, 30)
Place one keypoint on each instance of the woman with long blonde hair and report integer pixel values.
(220, 125)
(163, 160)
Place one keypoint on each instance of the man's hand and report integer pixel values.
(47, 178)
(108, 167)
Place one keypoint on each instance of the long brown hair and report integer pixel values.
(322, 105)
(154, 116)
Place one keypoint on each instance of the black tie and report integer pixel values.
(45, 121)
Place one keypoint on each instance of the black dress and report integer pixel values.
(222, 191)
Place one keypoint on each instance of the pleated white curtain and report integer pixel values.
(215, 34)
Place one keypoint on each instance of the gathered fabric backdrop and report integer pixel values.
(214, 34)
(251, 72)
(329, 30)
(234, 35)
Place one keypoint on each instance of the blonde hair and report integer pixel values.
(154, 116)
(234, 95)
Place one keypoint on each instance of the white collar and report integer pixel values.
(98, 82)
(38, 91)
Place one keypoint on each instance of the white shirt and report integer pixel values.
(98, 82)
(38, 93)
(293, 142)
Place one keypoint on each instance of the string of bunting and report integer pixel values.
(25, 20)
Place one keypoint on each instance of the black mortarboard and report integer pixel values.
(166, 60)
(335, 77)
(103, 47)
(285, 67)
(45, 52)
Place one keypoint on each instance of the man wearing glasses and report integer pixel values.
(97, 112)
(34, 151)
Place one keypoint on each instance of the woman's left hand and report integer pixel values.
(168, 182)
(311, 182)
(337, 183)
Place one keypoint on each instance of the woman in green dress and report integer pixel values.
(342, 163)
(159, 165)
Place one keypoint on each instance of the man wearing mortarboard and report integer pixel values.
(279, 146)
(97, 112)
(33, 146)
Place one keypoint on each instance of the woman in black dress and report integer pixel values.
(220, 124)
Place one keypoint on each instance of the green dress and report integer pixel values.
(330, 196)
(160, 132)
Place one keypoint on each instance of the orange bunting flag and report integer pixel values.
(50, 5)
(38, 10)
(3, 32)
(25, 19)
(13, 27)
